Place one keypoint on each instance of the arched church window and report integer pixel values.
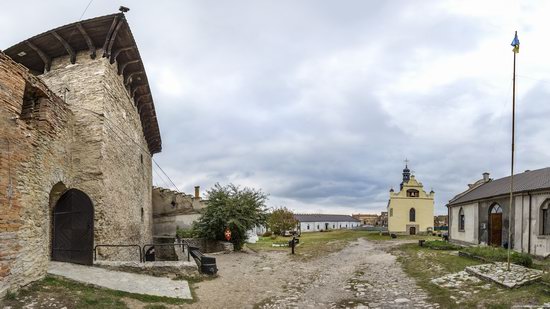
(412, 193)
(461, 219)
(496, 209)
(412, 215)
(545, 219)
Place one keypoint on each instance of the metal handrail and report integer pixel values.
(115, 246)
(148, 246)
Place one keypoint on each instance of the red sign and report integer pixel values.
(227, 234)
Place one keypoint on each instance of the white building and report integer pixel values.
(319, 222)
(482, 214)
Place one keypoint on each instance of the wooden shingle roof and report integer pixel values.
(106, 36)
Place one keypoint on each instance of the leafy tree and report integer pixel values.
(231, 207)
(281, 220)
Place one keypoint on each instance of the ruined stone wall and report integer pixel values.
(172, 210)
(35, 155)
(111, 151)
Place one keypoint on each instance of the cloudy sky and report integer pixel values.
(319, 102)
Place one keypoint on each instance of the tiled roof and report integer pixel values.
(322, 218)
(523, 182)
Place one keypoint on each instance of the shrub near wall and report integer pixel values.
(493, 254)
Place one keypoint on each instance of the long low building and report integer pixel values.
(320, 222)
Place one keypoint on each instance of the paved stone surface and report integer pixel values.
(121, 281)
(362, 275)
(457, 280)
(497, 272)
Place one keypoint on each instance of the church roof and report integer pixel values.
(321, 218)
(112, 35)
(523, 182)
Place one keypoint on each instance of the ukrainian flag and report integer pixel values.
(515, 43)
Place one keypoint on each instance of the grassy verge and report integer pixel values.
(425, 264)
(317, 244)
(494, 254)
(57, 293)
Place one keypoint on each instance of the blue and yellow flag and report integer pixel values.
(515, 43)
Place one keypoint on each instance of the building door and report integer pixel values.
(495, 225)
(73, 228)
(412, 230)
(326, 226)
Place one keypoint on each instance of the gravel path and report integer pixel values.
(362, 275)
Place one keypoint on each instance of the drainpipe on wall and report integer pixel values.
(529, 226)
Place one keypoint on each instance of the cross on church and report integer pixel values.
(406, 162)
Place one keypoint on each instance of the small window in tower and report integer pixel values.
(412, 193)
(142, 214)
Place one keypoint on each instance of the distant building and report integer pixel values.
(482, 214)
(411, 210)
(366, 219)
(441, 220)
(319, 222)
(383, 219)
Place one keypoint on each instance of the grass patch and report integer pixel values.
(315, 244)
(441, 245)
(62, 292)
(494, 254)
(424, 264)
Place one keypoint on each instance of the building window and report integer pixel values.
(317, 226)
(333, 226)
(412, 193)
(412, 215)
(545, 219)
(308, 226)
(391, 212)
(461, 219)
(142, 214)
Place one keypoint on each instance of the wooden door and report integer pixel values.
(496, 230)
(412, 230)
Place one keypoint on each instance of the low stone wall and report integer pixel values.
(171, 269)
(210, 246)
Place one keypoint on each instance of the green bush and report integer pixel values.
(185, 233)
(495, 254)
(234, 208)
(441, 245)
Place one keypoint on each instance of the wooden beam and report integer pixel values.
(130, 76)
(113, 38)
(108, 37)
(45, 58)
(123, 66)
(136, 89)
(68, 47)
(118, 51)
(138, 100)
(88, 40)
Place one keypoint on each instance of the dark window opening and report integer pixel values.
(412, 215)
(142, 214)
(412, 193)
(31, 101)
(308, 226)
(461, 220)
(545, 219)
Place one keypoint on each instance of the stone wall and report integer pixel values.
(110, 150)
(73, 127)
(35, 155)
(172, 210)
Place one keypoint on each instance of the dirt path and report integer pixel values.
(362, 275)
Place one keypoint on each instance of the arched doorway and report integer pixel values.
(412, 230)
(495, 225)
(73, 228)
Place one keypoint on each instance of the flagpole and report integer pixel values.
(512, 163)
